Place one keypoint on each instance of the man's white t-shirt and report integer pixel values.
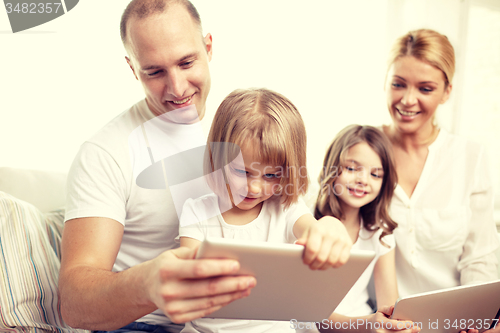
(102, 183)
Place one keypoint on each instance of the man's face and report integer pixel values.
(169, 56)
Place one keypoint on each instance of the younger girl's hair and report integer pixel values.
(375, 214)
(270, 124)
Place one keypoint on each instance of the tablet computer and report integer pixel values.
(452, 310)
(286, 288)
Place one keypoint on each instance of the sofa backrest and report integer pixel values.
(44, 189)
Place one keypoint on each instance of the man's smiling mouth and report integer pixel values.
(182, 101)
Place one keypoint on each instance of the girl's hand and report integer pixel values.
(327, 243)
(381, 322)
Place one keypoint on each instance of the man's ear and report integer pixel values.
(446, 94)
(208, 45)
(129, 62)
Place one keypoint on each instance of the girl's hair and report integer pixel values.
(272, 125)
(429, 46)
(375, 214)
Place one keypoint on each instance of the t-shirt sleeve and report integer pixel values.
(195, 219)
(292, 214)
(96, 186)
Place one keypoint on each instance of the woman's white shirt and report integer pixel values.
(446, 235)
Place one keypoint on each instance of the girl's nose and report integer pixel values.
(254, 186)
(362, 177)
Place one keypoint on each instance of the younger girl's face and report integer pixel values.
(361, 178)
(254, 182)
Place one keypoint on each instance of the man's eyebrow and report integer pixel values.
(150, 68)
(189, 56)
(181, 60)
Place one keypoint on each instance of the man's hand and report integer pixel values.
(96, 298)
(327, 243)
(186, 289)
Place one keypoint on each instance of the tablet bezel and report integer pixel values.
(444, 310)
(286, 288)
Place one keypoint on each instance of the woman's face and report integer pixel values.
(414, 91)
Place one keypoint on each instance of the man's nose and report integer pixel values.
(176, 84)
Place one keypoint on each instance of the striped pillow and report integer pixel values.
(29, 268)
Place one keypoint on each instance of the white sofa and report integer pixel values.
(31, 221)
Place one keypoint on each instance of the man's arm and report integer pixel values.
(94, 297)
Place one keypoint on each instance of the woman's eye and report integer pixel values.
(271, 175)
(376, 175)
(349, 168)
(426, 90)
(397, 85)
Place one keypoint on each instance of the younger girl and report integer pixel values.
(357, 183)
(257, 197)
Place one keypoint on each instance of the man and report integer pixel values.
(119, 261)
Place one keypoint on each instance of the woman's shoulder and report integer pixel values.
(449, 140)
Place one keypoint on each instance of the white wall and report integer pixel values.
(62, 81)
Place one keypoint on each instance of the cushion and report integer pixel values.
(29, 268)
(44, 189)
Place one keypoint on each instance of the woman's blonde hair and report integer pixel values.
(428, 46)
(375, 214)
(269, 122)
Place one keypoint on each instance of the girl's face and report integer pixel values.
(361, 178)
(414, 91)
(254, 182)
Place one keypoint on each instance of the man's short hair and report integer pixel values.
(141, 9)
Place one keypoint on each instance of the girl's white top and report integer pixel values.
(201, 218)
(355, 302)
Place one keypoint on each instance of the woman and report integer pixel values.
(443, 202)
